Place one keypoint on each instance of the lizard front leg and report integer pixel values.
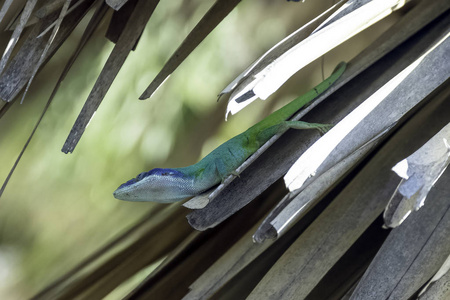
(267, 133)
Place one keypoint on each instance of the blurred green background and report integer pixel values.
(58, 208)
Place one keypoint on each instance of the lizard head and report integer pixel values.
(157, 185)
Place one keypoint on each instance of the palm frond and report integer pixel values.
(303, 220)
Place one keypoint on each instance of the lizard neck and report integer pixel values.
(203, 174)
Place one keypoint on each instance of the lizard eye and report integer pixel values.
(162, 172)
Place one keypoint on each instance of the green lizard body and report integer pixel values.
(171, 185)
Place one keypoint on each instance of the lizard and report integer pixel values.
(172, 185)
